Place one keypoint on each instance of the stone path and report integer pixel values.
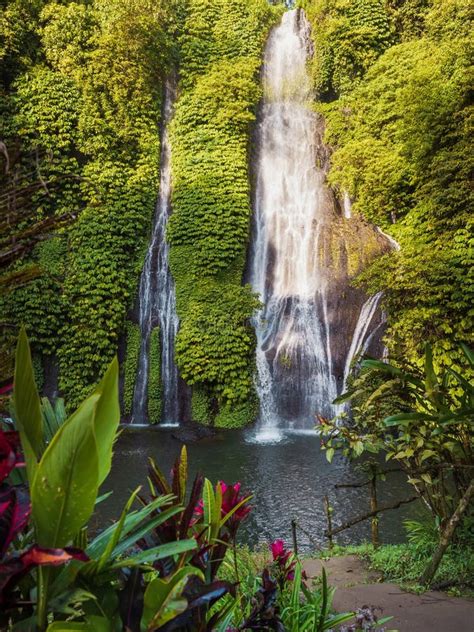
(357, 587)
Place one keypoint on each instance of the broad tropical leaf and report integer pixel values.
(27, 406)
(107, 418)
(66, 483)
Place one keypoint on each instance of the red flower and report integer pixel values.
(231, 498)
(278, 549)
(282, 558)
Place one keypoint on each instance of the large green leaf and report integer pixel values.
(163, 599)
(92, 624)
(469, 353)
(27, 406)
(65, 486)
(406, 418)
(157, 553)
(113, 541)
(131, 522)
(107, 418)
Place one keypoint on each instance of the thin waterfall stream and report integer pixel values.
(295, 218)
(157, 297)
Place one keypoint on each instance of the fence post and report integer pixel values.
(328, 510)
(293, 535)
(373, 507)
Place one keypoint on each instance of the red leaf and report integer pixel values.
(14, 513)
(8, 453)
(13, 569)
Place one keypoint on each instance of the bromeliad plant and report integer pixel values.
(211, 517)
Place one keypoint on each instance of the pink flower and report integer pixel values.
(9, 453)
(231, 498)
(283, 560)
(277, 548)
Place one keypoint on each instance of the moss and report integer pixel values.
(237, 416)
(154, 379)
(201, 406)
(130, 365)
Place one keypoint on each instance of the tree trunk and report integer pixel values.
(446, 537)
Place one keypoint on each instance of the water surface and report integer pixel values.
(288, 479)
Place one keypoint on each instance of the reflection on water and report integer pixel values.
(288, 476)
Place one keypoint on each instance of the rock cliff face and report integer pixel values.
(306, 249)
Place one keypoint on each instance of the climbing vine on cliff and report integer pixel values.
(221, 51)
(88, 105)
(401, 138)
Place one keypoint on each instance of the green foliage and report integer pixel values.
(402, 151)
(237, 415)
(154, 378)
(404, 563)
(87, 110)
(39, 305)
(348, 37)
(38, 371)
(408, 17)
(130, 365)
(18, 37)
(221, 53)
(201, 405)
(431, 433)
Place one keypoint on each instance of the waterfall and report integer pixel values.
(347, 205)
(295, 377)
(157, 297)
(309, 313)
(360, 339)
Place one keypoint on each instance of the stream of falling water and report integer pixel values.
(362, 334)
(157, 296)
(295, 377)
(294, 214)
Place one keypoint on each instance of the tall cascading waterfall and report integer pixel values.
(295, 375)
(157, 297)
(295, 214)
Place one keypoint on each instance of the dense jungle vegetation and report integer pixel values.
(81, 87)
(395, 80)
(81, 109)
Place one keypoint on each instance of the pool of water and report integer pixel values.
(287, 475)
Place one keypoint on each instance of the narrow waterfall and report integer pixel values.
(309, 309)
(362, 336)
(295, 377)
(157, 296)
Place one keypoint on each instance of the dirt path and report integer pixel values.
(357, 586)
